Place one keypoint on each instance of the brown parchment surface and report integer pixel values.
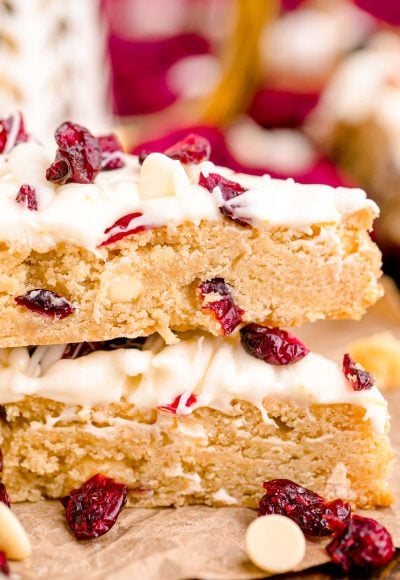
(193, 542)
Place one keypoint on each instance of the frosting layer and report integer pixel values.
(163, 190)
(215, 370)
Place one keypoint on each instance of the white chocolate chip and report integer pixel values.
(124, 289)
(161, 176)
(13, 538)
(275, 543)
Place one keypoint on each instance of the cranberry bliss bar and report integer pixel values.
(95, 244)
(206, 420)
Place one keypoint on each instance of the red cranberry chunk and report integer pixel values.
(217, 299)
(122, 228)
(60, 171)
(311, 512)
(173, 407)
(4, 497)
(4, 567)
(364, 543)
(272, 345)
(142, 156)
(46, 302)
(93, 509)
(79, 156)
(359, 379)
(229, 190)
(27, 197)
(12, 132)
(112, 152)
(193, 149)
(75, 350)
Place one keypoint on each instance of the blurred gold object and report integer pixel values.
(241, 60)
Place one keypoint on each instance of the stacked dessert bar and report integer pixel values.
(358, 123)
(52, 62)
(142, 304)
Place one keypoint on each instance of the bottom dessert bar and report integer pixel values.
(200, 422)
(208, 457)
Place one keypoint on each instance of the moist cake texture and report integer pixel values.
(130, 250)
(177, 436)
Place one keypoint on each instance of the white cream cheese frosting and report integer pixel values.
(163, 190)
(217, 371)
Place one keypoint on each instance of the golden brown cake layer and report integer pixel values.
(207, 457)
(149, 282)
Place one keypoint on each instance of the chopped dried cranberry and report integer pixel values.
(79, 155)
(46, 302)
(314, 515)
(12, 132)
(27, 197)
(75, 350)
(173, 407)
(359, 378)
(192, 149)
(223, 309)
(272, 345)
(112, 152)
(4, 497)
(93, 509)
(364, 543)
(123, 227)
(116, 343)
(4, 567)
(60, 171)
(3, 417)
(142, 156)
(229, 190)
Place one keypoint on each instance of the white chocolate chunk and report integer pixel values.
(125, 289)
(161, 176)
(275, 543)
(13, 538)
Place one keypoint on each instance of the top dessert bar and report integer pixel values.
(96, 244)
(44, 70)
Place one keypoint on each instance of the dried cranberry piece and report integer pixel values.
(93, 509)
(364, 543)
(75, 350)
(27, 197)
(223, 309)
(4, 497)
(123, 227)
(192, 149)
(79, 155)
(229, 190)
(4, 567)
(112, 152)
(359, 378)
(142, 156)
(314, 515)
(272, 345)
(60, 171)
(173, 407)
(12, 132)
(46, 302)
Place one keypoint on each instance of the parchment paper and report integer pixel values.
(193, 542)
